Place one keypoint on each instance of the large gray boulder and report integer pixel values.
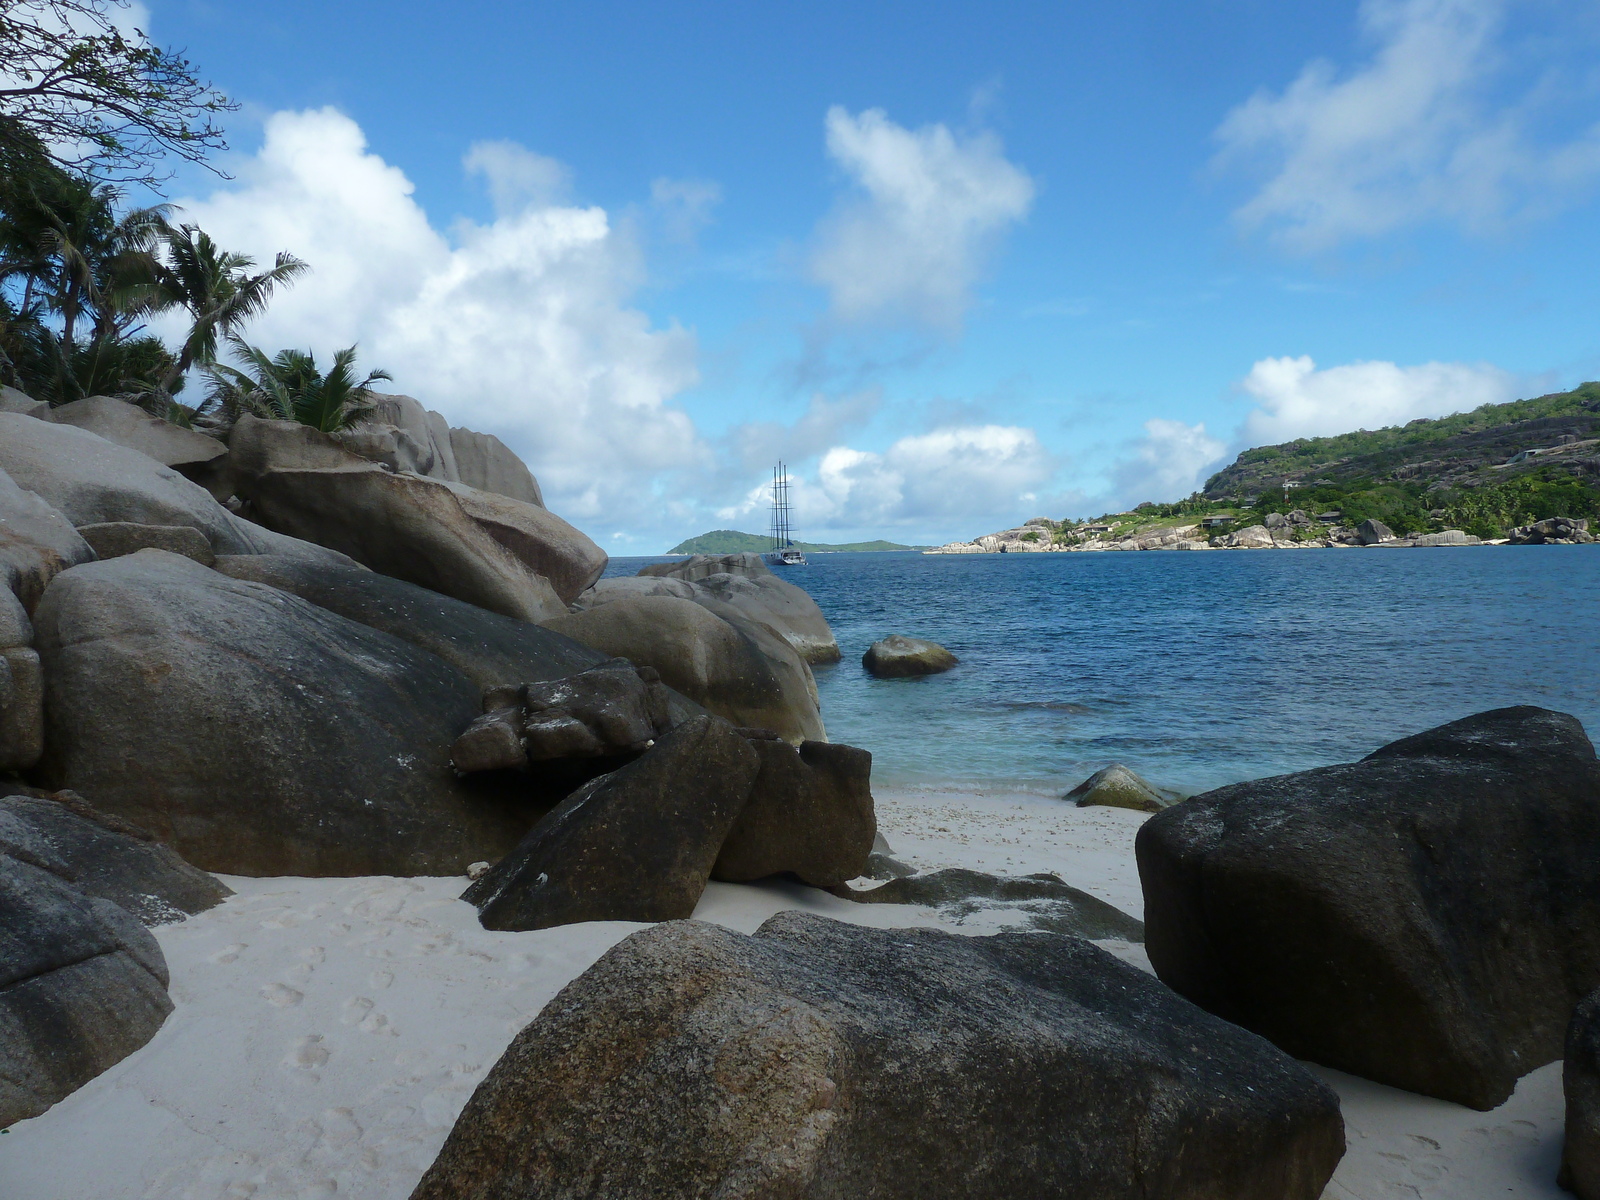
(762, 598)
(484, 462)
(113, 539)
(1118, 787)
(21, 688)
(1580, 1080)
(899, 657)
(737, 669)
(511, 558)
(702, 566)
(489, 649)
(82, 986)
(102, 856)
(1426, 917)
(36, 542)
(427, 430)
(809, 813)
(12, 400)
(1373, 532)
(1043, 900)
(634, 845)
(820, 1059)
(129, 425)
(254, 732)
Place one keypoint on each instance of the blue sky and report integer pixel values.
(960, 264)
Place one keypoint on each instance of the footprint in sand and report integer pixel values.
(281, 995)
(308, 1053)
(228, 954)
(380, 979)
(359, 1011)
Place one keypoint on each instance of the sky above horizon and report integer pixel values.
(958, 265)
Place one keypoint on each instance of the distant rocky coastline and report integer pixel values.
(1294, 530)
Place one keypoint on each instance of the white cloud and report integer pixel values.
(955, 476)
(917, 238)
(1429, 129)
(519, 327)
(1168, 463)
(685, 205)
(1296, 400)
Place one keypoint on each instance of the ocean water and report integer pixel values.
(1194, 669)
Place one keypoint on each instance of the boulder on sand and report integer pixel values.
(508, 557)
(897, 657)
(1045, 900)
(822, 1059)
(1580, 1079)
(82, 986)
(810, 812)
(634, 845)
(741, 671)
(254, 732)
(1117, 787)
(1426, 917)
(102, 856)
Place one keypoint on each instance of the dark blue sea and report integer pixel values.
(1194, 669)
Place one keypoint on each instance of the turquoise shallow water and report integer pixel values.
(1195, 669)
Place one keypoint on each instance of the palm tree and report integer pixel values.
(215, 286)
(289, 387)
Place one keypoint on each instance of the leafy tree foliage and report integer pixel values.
(289, 387)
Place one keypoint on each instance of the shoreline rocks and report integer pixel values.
(1117, 787)
(899, 657)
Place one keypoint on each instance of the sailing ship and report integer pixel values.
(784, 552)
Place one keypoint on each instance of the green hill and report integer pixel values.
(731, 541)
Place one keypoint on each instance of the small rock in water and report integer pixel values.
(1117, 787)
(896, 657)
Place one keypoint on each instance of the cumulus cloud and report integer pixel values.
(685, 205)
(519, 327)
(955, 475)
(1431, 128)
(1169, 462)
(1296, 400)
(929, 208)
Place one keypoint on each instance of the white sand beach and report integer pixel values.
(327, 1032)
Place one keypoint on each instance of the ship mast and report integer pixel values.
(781, 536)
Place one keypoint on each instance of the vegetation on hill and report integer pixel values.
(731, 541)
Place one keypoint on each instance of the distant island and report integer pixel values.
(731, 541)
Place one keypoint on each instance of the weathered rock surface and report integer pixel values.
(634, 845)
(823, 1060)
(104, 857)
(1580, 1079)
(489, 649)
(1446, 537)
(113, 539)
(12, 400)
(1118, 787)
(511, 558)
(428, 430)
(257, 733)
(1046, 900)
(36, 542)
(129, 425)
(484, 462)
(701, 566)
(21, 688)
(809, 812)
(739, 670)
(1426, 917)
(1372, 531)
(897, 657)
(1556, 531)
(82, 986)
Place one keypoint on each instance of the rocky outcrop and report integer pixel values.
(740, 670)
(12, 400)
(897, 657)
(822, 1059)
(21, 688)
(1426, 917)
(749, 592)
(1117, 787)
(489, 649)
(484, 462)
(104, 857)
(257, 733)
(1557, 531)
(113, 539)
(128, 425)
(1373, 531)
(511, 558)
(1580, 1079)
(428, 431)
(809, 812)
(1043, 900)
(36, 542)
(82, 986)
(637, 844)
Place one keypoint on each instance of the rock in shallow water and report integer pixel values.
(1117, 787)
(897, 657)
(819, 1059)
(1426, 917)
